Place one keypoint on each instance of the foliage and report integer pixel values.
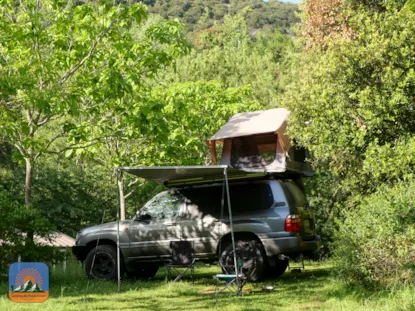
(66, 71)
(363, 90)
(375, 243)
(20, 220)
(324, 20)
(351, 104)
(190, 125)
(327, 198)
(271, 14)
(229, 54)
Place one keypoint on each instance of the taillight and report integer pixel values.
(292, 223)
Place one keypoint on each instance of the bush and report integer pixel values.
(375, 244)
(15, 221)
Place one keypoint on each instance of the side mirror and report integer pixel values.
(142, 217)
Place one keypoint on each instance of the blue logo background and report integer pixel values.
(17, 267)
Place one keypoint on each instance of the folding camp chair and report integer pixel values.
(181, 258)
(246, 263)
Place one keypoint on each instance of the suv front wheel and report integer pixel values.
(101, 263)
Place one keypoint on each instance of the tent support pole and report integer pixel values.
(225, 173)
(120, 180)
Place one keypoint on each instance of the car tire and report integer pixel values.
(279, 268)
(143, 272)
(104, 261)
(253, 273)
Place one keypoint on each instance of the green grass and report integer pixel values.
(313, 289)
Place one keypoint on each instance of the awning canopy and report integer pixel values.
(176, 176)
(254, 123)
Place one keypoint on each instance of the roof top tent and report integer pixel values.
(257, 142)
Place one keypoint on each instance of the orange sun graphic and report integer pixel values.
(27, 278)
(28, 274)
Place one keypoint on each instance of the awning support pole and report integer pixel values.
(121, 197)
(225, 173)
(119, 181)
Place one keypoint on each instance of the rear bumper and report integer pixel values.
(290, 245)
(80, 252)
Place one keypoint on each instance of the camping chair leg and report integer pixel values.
(180, 274)
(240, 285)
(216, 291)
(226, 287)
(168, 274)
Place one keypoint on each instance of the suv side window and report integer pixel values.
(165, 205)
(296, 195)
(246, 197)
(204, 200)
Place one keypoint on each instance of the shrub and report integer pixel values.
(15, 220)
(375, 244)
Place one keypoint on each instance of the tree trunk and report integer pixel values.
(28, 182)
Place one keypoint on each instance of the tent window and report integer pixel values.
(253, 151)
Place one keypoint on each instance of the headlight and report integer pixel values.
(78, 235)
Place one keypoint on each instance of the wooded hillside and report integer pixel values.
(200, 14)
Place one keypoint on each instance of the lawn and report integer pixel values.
(312, 289)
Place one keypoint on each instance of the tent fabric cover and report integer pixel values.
(254, 123)
(173, 176)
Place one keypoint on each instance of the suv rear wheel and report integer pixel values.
(253, 269)
(279, 268)
(103, 261)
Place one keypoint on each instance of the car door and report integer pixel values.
(156, 225)
(200, 223)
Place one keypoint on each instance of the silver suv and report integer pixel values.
(273, 213)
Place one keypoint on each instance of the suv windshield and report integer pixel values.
(166, 204)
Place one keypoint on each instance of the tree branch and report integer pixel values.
(73, 146)
(45, 120)
(21, 150)
(73, 70)
(133, 182)
(130, 193)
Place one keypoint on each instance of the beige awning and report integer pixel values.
(175, 176)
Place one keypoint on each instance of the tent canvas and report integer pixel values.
(182, 175)
(257, 141)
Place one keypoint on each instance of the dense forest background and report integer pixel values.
(88, 87)
(198, 15)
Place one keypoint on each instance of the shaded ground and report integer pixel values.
(313, 289)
